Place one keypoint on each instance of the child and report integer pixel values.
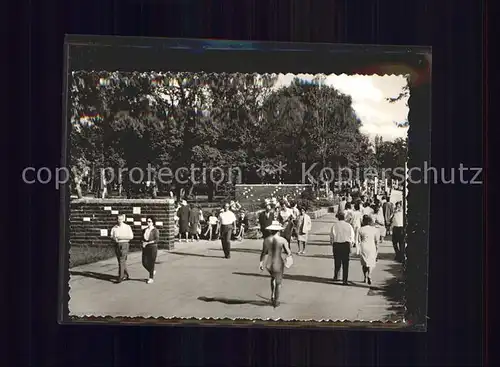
(212, 227)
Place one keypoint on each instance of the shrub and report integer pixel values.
(306, 203)
(253, 234)
(324, 203)
(253, 219)
(308, 194)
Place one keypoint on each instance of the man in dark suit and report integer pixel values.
(266, 218)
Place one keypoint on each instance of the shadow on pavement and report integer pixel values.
(386, 256)
(100, 276)
(230, 301)
(245, 250)
(393, 290)
(318, 256)
(319, 243)
(196, 255)
(309, 278)
(94, 275)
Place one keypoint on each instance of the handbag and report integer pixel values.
(288, 261)
(354, 250)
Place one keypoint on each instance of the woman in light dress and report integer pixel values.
(368, 240)
(303, 227)
(285, 217)
(379, 221)
(355, 220)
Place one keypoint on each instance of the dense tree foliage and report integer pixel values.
(391, 154)
(213, 120)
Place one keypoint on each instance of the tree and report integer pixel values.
(392, 154)
(236, 114)
(313, 123)
(178, 119)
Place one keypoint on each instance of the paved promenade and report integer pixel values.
(194, 280)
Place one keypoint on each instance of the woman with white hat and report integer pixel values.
(273, 247)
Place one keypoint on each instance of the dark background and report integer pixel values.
(456, 313)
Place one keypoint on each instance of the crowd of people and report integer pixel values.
(362, 224)
(191, 225)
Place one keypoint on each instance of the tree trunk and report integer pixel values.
(78, 187)
(211, 191)
(178, 192)
(90, 187)
(327, 180)
(190, 192)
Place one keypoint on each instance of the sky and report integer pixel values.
(368, 94)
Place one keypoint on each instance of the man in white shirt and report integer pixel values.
(227, 221)
(341, 239)
(398, 241)
(122, 234)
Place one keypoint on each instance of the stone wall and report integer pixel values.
(91, 220)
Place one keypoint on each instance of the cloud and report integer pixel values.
(360, 87)
(368, 93)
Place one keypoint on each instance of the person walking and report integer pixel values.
(397, 232)
(341, 239)
(227, 221)
(242, 225)
(348, 212)
(379, 222)
(388, 209)
(122, 234)
(183, 214)
(367, 208)
(194, 222)
(304, 225)
(212, 228)
(296, 213)
(368, 240)
(285, 217)
(342, 204)
(272, 247)
(150, 238)
(356, 220)
(266, 218)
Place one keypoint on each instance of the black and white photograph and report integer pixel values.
(238, 196)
